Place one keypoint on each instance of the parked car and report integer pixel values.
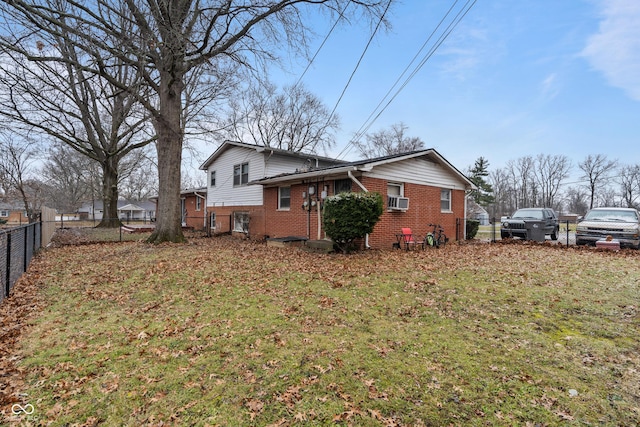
(516, 224)
(622, 224)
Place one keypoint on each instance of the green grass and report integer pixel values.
(224, 332)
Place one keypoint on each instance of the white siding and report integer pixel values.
(224, 193)
(418, 171)
(261, 165)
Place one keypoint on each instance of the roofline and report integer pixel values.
(263, 148)
(363, 166)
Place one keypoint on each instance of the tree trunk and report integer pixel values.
(169, 146)
(110, 194)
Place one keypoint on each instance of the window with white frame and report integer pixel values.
(284, 198)
(212, 220)
(4, 213)
(241, 222)
(445, 200)
(395, 197)
(198, 202)
(241, 174)
(212, 180)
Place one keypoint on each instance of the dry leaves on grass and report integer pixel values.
(263, 269)
(15, 314)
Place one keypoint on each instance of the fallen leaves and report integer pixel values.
(283, 337)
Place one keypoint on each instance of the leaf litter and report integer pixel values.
(223, 331)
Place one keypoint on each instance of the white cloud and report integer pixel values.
(549, 87)
(615, 49)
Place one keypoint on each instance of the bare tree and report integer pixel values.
(165, 42)
(17, 169)
(139, 177)
(502, 192)
(522, 179)
(597, 171)
(68, 174)
(576, 201)
(629, 180)
(386, 142)
(549, 172)
(294, 120)
(63, 101)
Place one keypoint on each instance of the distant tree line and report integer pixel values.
(543, 181)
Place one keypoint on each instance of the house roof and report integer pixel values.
(130, 207)
(264, 149)
(364, 166)
(98, 205)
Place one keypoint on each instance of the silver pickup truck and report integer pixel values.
(622, 224)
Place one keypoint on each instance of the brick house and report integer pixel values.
(234, 206)
(419, 188)
(193, 203)
(13, 213)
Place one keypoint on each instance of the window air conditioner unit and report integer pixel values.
(398, 203)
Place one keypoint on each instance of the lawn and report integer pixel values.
(233, 333)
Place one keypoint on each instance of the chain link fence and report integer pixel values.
(17, 247)
(566, 235)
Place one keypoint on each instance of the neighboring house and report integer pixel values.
(141, 210)
(477, 212)
(194, 208)
(419, 188)
(13, 213)
(232, 204)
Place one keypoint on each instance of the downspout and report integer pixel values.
(354, 179)
(464, 219)
(359, 184)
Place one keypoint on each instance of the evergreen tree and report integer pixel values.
(484, 194)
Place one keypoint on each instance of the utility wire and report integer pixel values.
(369, 122)
(360, 131)
(359, 60)
(335, 24)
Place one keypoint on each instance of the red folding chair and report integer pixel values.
(407, 239)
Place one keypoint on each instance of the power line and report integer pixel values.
(360, 60)
(449, 29)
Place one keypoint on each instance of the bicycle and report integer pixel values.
(436, 237)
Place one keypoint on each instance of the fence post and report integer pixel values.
(567, 233)
(25, 263)
(493, 230)
(8, 270)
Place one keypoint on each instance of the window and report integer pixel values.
(198, 202)
(213, 179)
(445, 200)
(395, 199)
(284, 198)
(341, 186)
(241, 174)
(4, 213)
(241, 222)
(212, 220)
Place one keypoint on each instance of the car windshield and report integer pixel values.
(528, 213)
(611, 216)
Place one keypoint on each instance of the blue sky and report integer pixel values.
(514, 78)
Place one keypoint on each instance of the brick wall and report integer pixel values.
(296, 221)
(194, 218)
(224, 220)
(424, 208)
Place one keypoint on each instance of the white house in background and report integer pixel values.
(142, 210)
(230, 200)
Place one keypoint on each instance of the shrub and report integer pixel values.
(472, 228)
(349, 216)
